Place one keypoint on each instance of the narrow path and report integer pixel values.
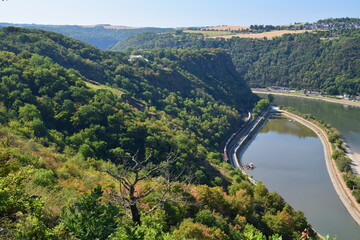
(339, 184)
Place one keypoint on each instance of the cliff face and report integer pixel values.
(209, 72)
(219, 76)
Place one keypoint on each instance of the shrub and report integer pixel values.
(190, 230)
(333, 137)
(88, 218)
(44, 178)
(31, 227)
(356, 194)
(343, 163)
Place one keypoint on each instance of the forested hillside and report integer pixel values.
(324, 61)
(101, 36)
(108, 145)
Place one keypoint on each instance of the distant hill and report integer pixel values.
(324, 60)
(330, 24)
(102, 36)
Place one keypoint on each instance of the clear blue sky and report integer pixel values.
(175, 13)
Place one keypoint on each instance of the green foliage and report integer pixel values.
(281, 223)
(12, 195)
(29, 112)
(309, 116)
(356, 194)
(305, 61)
(8, 163)
(190, 230)
(343, 163)
(44, 177)
(260, 107)
(206, 217)
(70, 126)
(86, 151)
(242, 185)
(151, 229)
(52, 104)
(31, 227)
(209, 219)
(333, 137)
(21, 215)
(88, 218)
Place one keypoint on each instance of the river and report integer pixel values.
(343, 117)
(289, 159)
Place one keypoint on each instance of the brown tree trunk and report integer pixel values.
(135, 213)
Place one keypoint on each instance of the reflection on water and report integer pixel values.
(287, 127)
(289, 159)
(345, 118)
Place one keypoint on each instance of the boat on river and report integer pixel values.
(250, 165)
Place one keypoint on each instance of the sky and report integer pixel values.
(175, 13)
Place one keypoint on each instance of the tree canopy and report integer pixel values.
(69, 111)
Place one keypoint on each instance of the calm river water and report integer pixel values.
(289, 159)
(343, 117)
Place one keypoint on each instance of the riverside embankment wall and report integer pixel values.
(241, 139)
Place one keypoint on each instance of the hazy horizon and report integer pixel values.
(161, 13)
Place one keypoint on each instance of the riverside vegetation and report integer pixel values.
(90, 138)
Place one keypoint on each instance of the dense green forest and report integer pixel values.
(323, 61)
(101, 36)
(125, 145)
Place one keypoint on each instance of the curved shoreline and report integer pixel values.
(351, 154)
(339, 184)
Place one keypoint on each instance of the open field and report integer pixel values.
(269, 35)
(119, 27)
(227, 28)
(210, 33)
(101, 86)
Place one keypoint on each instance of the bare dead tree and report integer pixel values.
(134, 171)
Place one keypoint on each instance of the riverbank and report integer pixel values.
(342, 190)
(351, 153)
(240, 140)
(281, 93)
